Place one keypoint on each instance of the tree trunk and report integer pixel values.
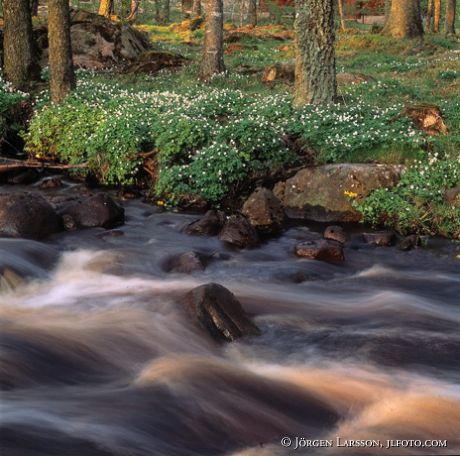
(164, 12)
(387, 8)
(186, 7)
(429, 16)
(437, 16)
(134, 9)
(34, 7)
(62, 77)
(213, 49)
(252, 13)
(196, 8)
(125, 9)
(19, 56)
(315, 80)
(451, 9)
(343, 26)
(105, 8)
(405, 20)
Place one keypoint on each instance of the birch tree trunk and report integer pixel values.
(315, 77)
(405, 20)
(19, 56)
(62, 77)
(213, 49)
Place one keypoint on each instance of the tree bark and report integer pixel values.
(252, 13)
(343, 26)
(451, 9)
(405, 20)
(429, 16)
(105, 8)
(19, 55)
(34, 7)
(437, 16)
(315, 74)
(213, 49)
(134, 9)
(62, 77)
(196, 8)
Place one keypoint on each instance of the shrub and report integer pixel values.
(9, 98)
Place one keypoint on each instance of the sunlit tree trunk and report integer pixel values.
(343, 26)
(19, 57)
(134, 9)
(196, 8)
(315, 78)
(405, 20)
(252, 13)
(105, 8)
(437, 16)
(429, 16)
(62, 77)
(213, 49)
(451, 9)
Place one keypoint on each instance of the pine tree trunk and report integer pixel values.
(429, 16)
(196, 8)
(343, 26)
(19, 56)
(451, 9)
(405, 20)
(315, 78)
(105, 8)
(133, 11)
(213, 49)
(252, 13)
(437, 16)
(34, 7)
(62, 77)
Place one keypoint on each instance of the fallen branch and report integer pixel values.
(7, 164)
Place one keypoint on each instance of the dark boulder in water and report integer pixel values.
(217, 310)
(189, 262)
(238, 232)
(335, 233)
(380, 238)
(322, 250)
(27, 215)
(409, 242)
(99, 210)
(209, 225)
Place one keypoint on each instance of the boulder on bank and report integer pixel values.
(99, 210)
(27, 215)
(335, 233)
(322, 250)
(216, 309)
(322, 193)
(208, 225)
(263, 210)
(238, 232)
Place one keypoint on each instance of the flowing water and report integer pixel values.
(98, 357)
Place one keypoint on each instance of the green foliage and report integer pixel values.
(9, 98)
(417, 203)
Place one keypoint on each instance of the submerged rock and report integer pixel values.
(263, 210)
(9, 280)
(27, 215)
(335, 233)
(322, 250)
(209, 225)
(239, 232)
(324, 193)
(217, 310)
(409, 242)
(189, 262)
(99, 210)
(380, 238)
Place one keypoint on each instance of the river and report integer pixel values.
(98, 357)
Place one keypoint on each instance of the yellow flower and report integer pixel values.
(350, 194)
(160, 203)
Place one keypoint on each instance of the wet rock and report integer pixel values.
(99, 210)
(217, 310)
(452, 196)
(239, 232)
(29, 176)
(27, 215)
(51, 182)
(409, 242)
(322, 250)
(325, 193)
(263, 210)
(209, 225)
(380, 238)
(9, 280)
(335, 233)
(189, 262)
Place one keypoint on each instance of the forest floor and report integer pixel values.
(238, 123)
